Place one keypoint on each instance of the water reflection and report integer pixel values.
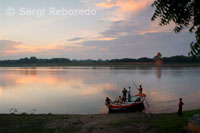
(83, 89)
(1, 89)
(158, 71)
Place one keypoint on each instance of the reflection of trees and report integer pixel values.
(176, 71)
(144, 70)
(32, 71)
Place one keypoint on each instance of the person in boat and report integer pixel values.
(119, 99)
(124, 92)
(140, 90)
(129, 94)
(108, 101)
(180, 107)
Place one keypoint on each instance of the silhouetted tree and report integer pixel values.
(33, 60)
(184, 13)
(123, 60)
(145, 59)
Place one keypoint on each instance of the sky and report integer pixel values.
(86, 29)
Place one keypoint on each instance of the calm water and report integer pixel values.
(82, 90)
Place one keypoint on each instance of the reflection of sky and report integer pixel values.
(83, 90)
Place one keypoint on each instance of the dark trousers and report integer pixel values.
(180, 111)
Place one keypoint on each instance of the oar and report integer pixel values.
(145, 98)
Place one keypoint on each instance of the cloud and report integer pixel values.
(76, 39)
(8, 44)
(9, 47)
(130, 34)
(13, 50)
(145, 45)
(125, 5)
(136, 36)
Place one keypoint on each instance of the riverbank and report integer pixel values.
(100, 123)
(111, 65)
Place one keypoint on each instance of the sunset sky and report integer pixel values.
(119, 29)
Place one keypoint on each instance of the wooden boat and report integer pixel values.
(135, 102)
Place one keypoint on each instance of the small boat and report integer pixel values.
(135, 103)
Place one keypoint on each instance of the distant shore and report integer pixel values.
(101, 123)
(107, 65)
(143, 61)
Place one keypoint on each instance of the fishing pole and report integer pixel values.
(135, 85)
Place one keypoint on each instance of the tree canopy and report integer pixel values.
(184, 13)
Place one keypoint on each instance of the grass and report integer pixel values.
(137, 122)
(165, 123)
(171, 123)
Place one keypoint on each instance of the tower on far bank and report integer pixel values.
(158, 59)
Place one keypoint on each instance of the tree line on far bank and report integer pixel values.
(66, 61)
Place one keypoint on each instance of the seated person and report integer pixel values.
(124, 99)
(119, 99)
(108, 101)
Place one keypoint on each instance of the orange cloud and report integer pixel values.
(149, 31)
(12, 47)
(9, 47)
(104, 39)
(153, 28)
(126, 5)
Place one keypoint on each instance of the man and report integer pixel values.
(129, 94)
(140, 90)
(124, 92)
(180, 107)
(108, 101)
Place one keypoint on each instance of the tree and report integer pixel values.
(184, 13)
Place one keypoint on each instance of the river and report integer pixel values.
(82, 90)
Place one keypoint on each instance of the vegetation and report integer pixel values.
(184, 13)
(119, 122)
(171, 123)
(33, 61)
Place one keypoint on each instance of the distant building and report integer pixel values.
(158, 59)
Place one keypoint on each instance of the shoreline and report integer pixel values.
(112, 65)
(115, 122)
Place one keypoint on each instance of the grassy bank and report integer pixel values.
(116, 123)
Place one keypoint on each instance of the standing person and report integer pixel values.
(140, 90)
(180, 107)
(124, 92)
(129, 94)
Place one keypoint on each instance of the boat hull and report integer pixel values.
(132, 106)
